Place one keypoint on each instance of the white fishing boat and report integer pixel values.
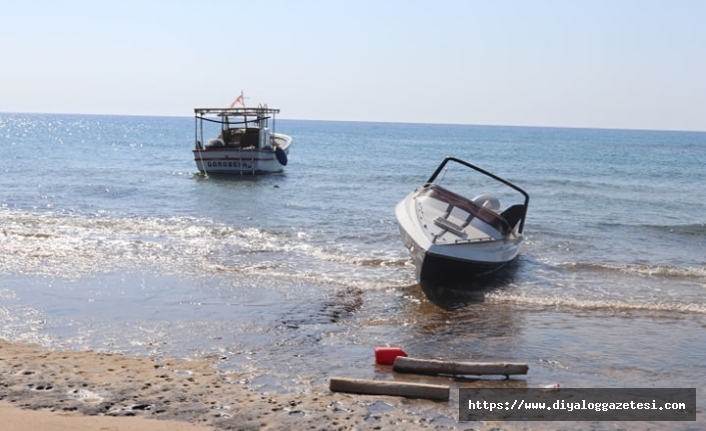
(243, 141)
(450, 236)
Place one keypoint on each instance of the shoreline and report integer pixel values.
(56, 390)
(59, 390)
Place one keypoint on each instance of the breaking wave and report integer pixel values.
(667, 271)
(71, 246)
(687, 230)
(613, 305)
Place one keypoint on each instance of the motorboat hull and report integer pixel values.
(450, 237)
(435, 266)
(456, 262)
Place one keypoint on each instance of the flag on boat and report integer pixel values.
(240, 99)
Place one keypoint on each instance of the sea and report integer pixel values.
(112, 241)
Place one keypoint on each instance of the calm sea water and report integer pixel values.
(112, 241)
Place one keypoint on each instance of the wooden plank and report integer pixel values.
(383, 387)
(434, 367)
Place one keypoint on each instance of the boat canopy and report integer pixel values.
(259, 111)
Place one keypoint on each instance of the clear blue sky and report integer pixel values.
(636, 64)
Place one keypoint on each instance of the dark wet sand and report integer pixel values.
(58, 390)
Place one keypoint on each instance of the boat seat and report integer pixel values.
(449, 226)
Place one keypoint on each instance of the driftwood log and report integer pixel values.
(434, 367)
(383, 387)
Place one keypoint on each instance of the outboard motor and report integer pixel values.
(487, 201)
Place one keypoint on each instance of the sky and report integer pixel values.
(622, 64)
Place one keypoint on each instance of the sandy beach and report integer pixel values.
(58, 390)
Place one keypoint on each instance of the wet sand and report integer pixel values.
(16, 419)
(66, 390)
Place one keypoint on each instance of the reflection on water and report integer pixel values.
(448, 298)
(224, 179)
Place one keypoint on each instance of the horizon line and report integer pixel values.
(380, 122)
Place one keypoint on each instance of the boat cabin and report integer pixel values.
(240, 128)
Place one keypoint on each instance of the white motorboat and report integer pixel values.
(244, 141)
(452, 237)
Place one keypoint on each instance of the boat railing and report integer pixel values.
(476, 240)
